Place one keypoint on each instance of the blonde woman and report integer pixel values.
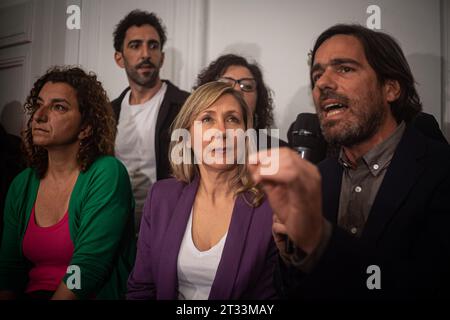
(207, 233)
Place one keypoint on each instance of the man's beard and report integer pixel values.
(148, 79)
(368, 120)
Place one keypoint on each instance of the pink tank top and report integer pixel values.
(50, 251)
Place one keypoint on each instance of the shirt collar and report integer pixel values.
(379, 156)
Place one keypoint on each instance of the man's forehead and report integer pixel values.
(145, 31)
(340, 47)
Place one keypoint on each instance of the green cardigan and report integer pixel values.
(101, 227)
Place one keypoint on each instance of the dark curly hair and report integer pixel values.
(263, 117)
(95, 110)
(138, 18)
(386, 58)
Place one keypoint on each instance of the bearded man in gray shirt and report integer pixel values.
(372, 223)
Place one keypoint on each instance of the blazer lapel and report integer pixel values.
(167, 274)
(223, 285)
(398, 180)
(117, 104)
(331, 188)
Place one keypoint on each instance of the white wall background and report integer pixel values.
(92, 46)
(278, 34)
(32, 37)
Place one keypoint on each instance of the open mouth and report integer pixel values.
(333, 109)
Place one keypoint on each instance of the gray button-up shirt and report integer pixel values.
(359, 188)
(360, 184)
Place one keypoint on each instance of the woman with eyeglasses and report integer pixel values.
(247, 78)
(207, 233)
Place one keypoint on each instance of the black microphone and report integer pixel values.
(306, 138)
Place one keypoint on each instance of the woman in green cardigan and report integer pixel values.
(68, 224)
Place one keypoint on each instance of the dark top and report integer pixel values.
(170, 106)
(406, 234)
(12, 162)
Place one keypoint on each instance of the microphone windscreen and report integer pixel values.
(305, 133)
(308, 122)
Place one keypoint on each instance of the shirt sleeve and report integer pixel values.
(105, 214)
(308, 262)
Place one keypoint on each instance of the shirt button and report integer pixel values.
(354, 230)
(376, 166)
(358, 189)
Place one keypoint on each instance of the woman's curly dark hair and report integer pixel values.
(95, 109)
(263, 117)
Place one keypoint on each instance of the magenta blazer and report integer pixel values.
(248, 260)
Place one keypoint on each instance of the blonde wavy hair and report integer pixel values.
(201, 99)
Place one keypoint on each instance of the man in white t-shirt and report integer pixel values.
(145, 110)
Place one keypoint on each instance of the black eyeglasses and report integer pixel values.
(246, 84)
